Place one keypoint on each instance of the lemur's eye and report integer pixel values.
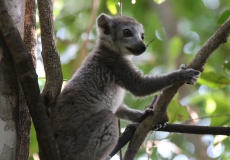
(142, 36)
(127, 33)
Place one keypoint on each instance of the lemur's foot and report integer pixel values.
(161, 125)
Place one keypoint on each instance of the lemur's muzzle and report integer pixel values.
(137, 49)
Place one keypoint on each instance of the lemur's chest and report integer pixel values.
(112, 97)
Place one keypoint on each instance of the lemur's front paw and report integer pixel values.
(190, 75)
(147, 112)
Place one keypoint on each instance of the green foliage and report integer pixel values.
(227, 66)
(112, 6)
(179, 30)
(177, 112)
(224, 16)
(33, 144)
(175, 47)
(159, 1)
(214, 80)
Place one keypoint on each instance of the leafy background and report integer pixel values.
(178, 29)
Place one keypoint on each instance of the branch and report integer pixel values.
(160, 108)
(192, 129)
(50, 55)
(177, 128)
(124, 138)
(83, 51)
(30, 35)
(29, 82)
(23, 117)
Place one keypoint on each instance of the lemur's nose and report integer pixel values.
(142, 47)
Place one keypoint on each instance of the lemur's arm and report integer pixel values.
(127, 113)
(140, 85)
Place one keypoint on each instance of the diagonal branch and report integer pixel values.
(29, 82)
(50, 55)
(160, 108)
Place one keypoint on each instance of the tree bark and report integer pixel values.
(8, 103)
(29, 82)
(50, 55)
(23, 116)
(9, 87)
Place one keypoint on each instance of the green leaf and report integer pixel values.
(214, 80)
(227, 66)
(175, 47)
(177, 112)
(158, 1)
(224, 16)
(112, 6)
(41, 83)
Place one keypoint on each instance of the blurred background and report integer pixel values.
(178, 29)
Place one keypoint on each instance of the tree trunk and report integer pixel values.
(9, 87)
(8, 103)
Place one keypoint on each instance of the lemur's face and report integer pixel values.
(130, 37)
(125, 34)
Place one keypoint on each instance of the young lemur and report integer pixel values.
(84, 119)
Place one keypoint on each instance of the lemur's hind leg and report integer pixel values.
(96, 138)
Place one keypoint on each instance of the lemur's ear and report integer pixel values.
(103, 22)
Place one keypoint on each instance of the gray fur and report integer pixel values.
(84, 119)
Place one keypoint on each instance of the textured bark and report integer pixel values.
(8, 103)
(9, 88)
(23, 116)
(50, 55)
(29, 82)
(16, 10)
(23, 128)
(160, 108)
(30, 35)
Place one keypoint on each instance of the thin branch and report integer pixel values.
(120, 7)
(177, 128)
(124, 138)
(192, 129)
(50, 55)
(119, 126)
(83, 51)
(218, 38)
(29, 82)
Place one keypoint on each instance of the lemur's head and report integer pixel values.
(121, 34)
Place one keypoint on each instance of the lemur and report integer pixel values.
(84, 119)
